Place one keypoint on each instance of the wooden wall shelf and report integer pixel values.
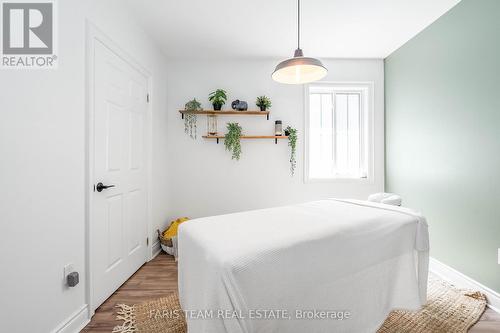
(226, 113)
(275, 137)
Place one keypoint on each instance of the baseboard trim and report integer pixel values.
(155, 249)
(463, 281)
(76, 322)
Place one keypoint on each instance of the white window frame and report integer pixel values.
(368, 104)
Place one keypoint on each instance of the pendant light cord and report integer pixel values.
(298, 24)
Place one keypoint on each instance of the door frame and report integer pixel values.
(93, 35)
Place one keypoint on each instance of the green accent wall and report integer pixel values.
(443, 135)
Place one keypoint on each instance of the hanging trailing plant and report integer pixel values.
(232, 140)
(190, 119)
(190, 127)
(292, 142)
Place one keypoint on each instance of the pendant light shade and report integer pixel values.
(299, 69)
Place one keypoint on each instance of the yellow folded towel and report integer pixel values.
(172, 229)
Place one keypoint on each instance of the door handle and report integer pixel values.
(100, 186)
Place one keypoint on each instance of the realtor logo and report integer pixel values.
(28, 35)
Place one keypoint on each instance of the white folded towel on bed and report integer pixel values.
(386, 198)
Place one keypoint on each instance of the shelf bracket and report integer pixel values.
(275, 141)
(182, 115)
(268, 116)
(217, 140)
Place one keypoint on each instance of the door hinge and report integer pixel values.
(147, 241)
(147, 98)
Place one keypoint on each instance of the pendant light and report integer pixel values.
(299, 69)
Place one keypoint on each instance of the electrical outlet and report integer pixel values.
(68, 269)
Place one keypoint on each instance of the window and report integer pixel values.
(339, 135)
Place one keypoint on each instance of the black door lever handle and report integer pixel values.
(100, 186)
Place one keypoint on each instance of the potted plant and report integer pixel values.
(190, 119)
(232, 140)
(292, 142)
(263, 102)
(193, 105)
(218, 98)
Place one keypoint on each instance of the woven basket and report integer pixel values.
(169, 244)
(164, 241)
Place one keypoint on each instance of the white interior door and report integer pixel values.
(119, 213)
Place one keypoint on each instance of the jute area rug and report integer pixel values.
(449, 310)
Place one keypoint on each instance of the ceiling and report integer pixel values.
(267, 28)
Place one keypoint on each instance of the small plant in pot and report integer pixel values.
(218, 98)
(263, 102)
(232, 140)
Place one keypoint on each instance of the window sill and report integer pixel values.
(340, 180)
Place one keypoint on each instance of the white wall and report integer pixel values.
(203, 178)
(42, 139)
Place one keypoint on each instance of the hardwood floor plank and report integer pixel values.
(489, 322)
(158, 278)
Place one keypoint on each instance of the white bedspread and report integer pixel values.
(334, 256)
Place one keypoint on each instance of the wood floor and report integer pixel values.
(158, 278)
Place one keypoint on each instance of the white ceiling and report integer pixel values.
(267, 28)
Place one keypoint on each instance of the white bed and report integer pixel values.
(332, 256)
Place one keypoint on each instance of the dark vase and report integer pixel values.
(217, 107)
(262, 108)
(287, 132)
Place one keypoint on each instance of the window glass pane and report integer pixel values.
(341, 136)
(326, 149)
(314, 134)
(320, 137)
(338, 134)
(353, 134)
